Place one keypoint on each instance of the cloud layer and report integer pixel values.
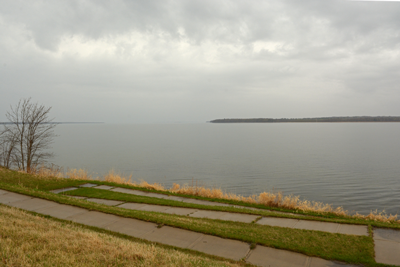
(192, 61)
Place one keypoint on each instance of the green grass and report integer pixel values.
(32, 181)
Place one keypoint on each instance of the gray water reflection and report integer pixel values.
(354, 165)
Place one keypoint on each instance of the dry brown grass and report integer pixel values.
(378, 217)
(46, 171)
(58, 172)
(115, 177)
(28, 240)
(78, 174)
(268, 199)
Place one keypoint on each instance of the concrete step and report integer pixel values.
(387, 246)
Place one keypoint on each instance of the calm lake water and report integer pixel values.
(354, 165)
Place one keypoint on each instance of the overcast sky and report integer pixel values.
(167, 61)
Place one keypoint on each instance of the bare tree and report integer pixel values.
(8, 141)
(27, 136)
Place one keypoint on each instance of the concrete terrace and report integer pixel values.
(220, 215)
(387, 242)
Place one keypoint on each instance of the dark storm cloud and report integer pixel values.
(168, 60)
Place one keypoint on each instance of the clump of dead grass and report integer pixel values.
(378, 216)
(28, 240)
(119, 178)
(114, 177)
(44, 171)
(78, 174)
(54, 171)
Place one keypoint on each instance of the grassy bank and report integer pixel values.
(45, 182)
(346, 248)
(265, 200)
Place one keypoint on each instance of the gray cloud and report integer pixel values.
(167, 61)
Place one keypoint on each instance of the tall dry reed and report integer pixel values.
(48, 171)
(78, 174)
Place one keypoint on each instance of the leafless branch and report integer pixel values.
(26, 139)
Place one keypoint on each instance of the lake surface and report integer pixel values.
(354, 165)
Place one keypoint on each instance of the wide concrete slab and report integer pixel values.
(207, 214)
(132, 206)
(238, 217)
(122, 190)
(156, 195)
(349, 229)
(3, 191)
(11, 197)
(138, 192)
(286, 213)
(33, 204)
(94, 218)
(387, 252)
(219, 204)
(387, 234)
(105, 187)
(179, 211)
(227, 248)
(57, 191)
(62, 211)
(173, 236)
(132, 227)
(155, 208)
(88, 185)
(271, 257)
(176, 198)
(105, 201)
(281, 222)
(317, 226)
(226, 216)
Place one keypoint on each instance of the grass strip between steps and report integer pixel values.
(347, 248)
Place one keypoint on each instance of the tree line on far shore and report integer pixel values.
(321, 119)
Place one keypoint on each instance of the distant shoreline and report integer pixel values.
(313, 120)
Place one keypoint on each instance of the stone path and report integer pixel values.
(387, 246)
(226, 248)
(220, 215)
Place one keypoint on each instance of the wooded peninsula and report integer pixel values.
(321, 119)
